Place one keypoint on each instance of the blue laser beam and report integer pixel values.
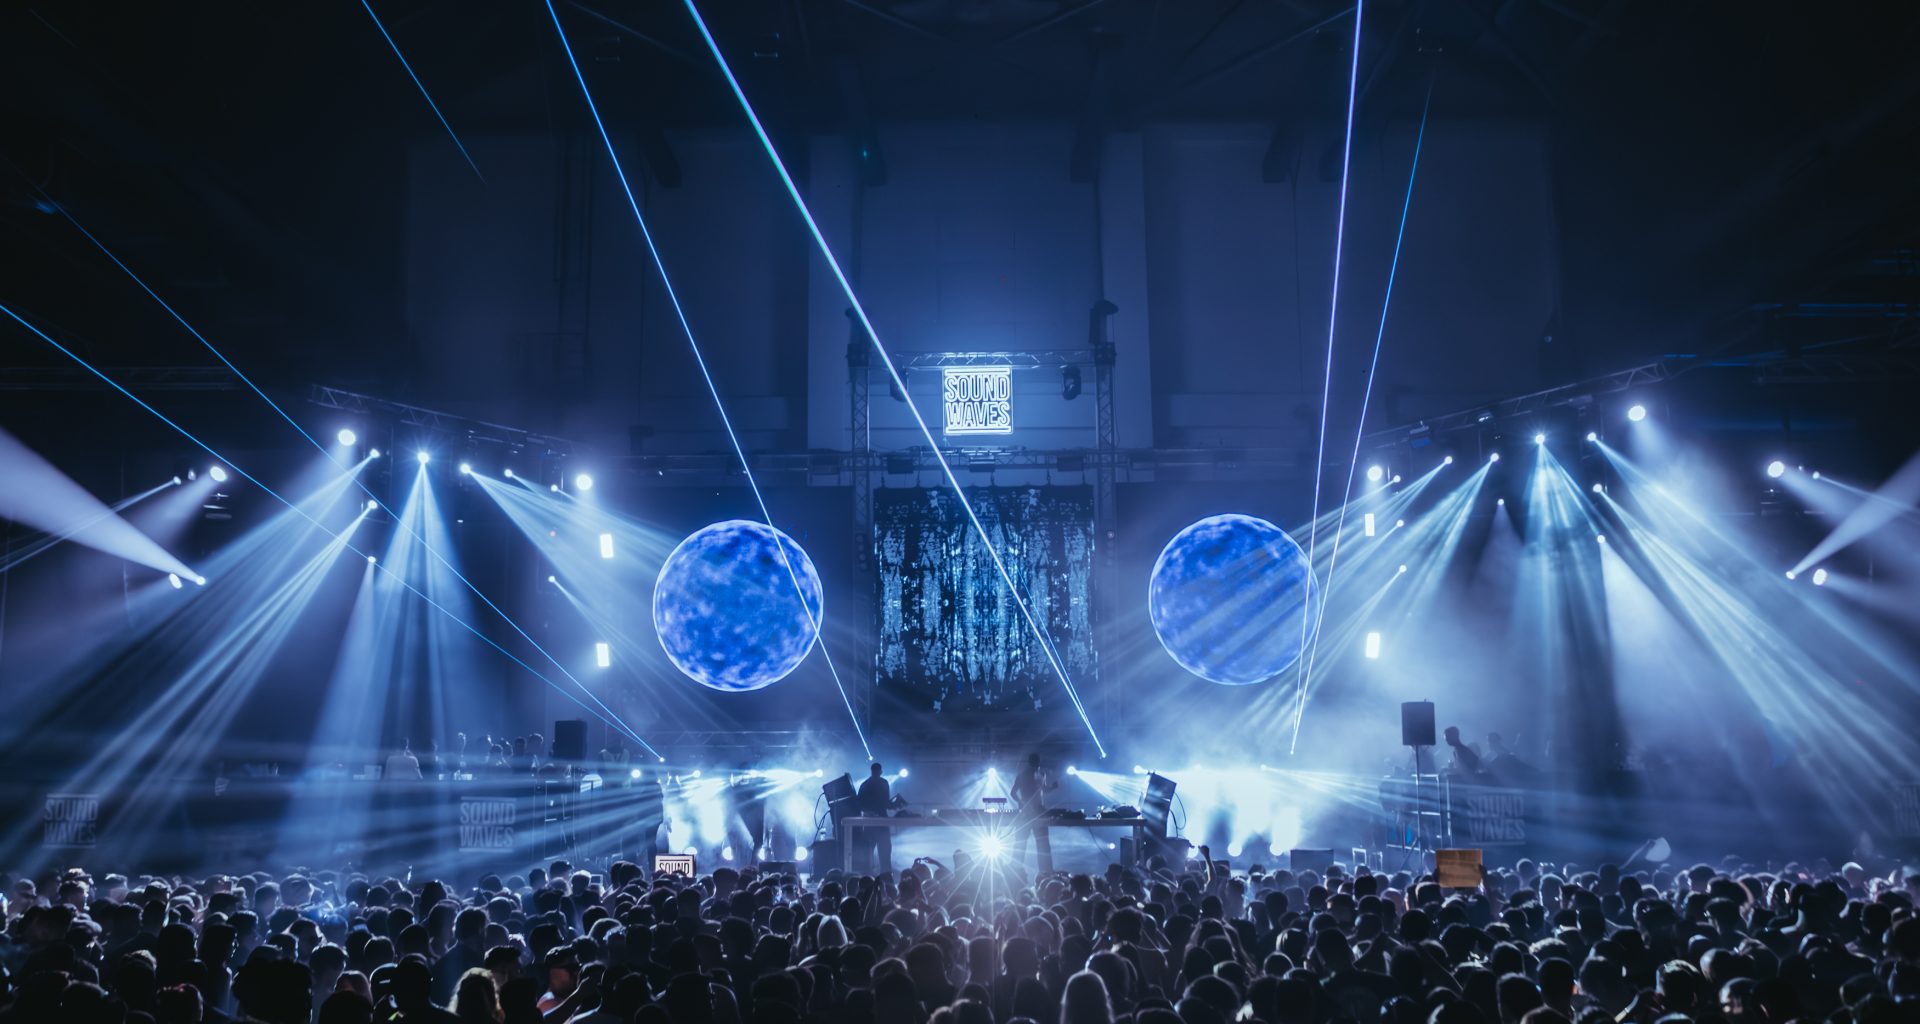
(1360, 428)
(886, 360)
(203, 446)
(700, 360)
(424, 94)
(1333, 309)
(324, 450)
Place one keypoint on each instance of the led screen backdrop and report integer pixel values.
(950, 633)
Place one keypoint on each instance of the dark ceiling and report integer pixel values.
(1743, 171)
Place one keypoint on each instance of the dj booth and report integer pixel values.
(1004, 825)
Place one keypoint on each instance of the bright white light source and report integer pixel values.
(553, 579)
(992, 847)
(373, 503)
(726, 853)
(1398, 523)
(177, 481)
(423, 457)
(347, 437)
(1597, 489)
(1373, 645)
(1539, 439)
(1448, 461)
(1403, 568)
(1600, 538)
(992, 772)
(1592, 436)
(1776, 469)
(1502, 502)
(1236, 848)
(1792, 575)
(606, 545)
(1396, 478)
(583, 482)
(509, 473)
(905, 772)
(1374, 473)
(555, 488)
(371, 559)
(466, 469)
(1495, 457)
(1138, 770)
(199, 581)
(1366, 524)
(1275, 849)
(1637, 413)
(602, 655)
(373, 453)
(1819, 577)
(1816, 476)
(219, 474)
(1071, 770)
(819, 773)
(1193, 853)
(174, 581)
(799, 853)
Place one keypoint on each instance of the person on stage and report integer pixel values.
(874, 798)
(1029, 796)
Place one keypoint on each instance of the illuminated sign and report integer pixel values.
(978, 399)
(673, 864)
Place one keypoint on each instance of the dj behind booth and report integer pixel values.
(864, 819)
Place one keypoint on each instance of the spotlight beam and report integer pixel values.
(1366, 398)
(50, 541)
(37, 494)
(886, 360)
(713, 389)
(424, 94)
(324, 450)
(609, 718)
(1333, 309)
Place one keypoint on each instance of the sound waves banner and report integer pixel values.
(950, 633)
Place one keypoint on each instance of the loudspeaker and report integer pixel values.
(570, 739)
(1156, 803)
(1317, 861)
(1416, 723)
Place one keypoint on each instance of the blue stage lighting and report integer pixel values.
(1396, 478)
(1539, 439)
(177, 481)
(1398, 523)
(606, 545)
(633, 773)
(1139, 770)
(1233, 599)
(602, 655)
(1448, 461)
(555, 488)
(374, 453)
(1502, 502)
(371, 559)
(1592, 436)
(1819, 577)
(1597, 489)
(1236, 848)
(1374, 473)
(347, 437)
(466, 469)
(1402, 569)
(372, 503)
(219, 474)
(726, 609)
(1600, 538)
(1792, 575)
(905, 772)
(173, 580)
(1071, 770)
(800, 854)
(423, 457)
(1776, 469)
(1637, 413)
(726, 853)
(199, 581)
(1495, 457)
(1373, 646)
(508, 472)
(583, 482)
(992, 846)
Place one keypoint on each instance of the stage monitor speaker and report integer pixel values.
(779, 867)
(1416, 723)
(823, 856)
(570, 739)
(1311, 860)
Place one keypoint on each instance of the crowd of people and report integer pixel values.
(970, 941)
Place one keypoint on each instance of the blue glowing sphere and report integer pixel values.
(1233, 599)
(728, 611)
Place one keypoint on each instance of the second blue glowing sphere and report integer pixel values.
(1233, 599)
(727, 610)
